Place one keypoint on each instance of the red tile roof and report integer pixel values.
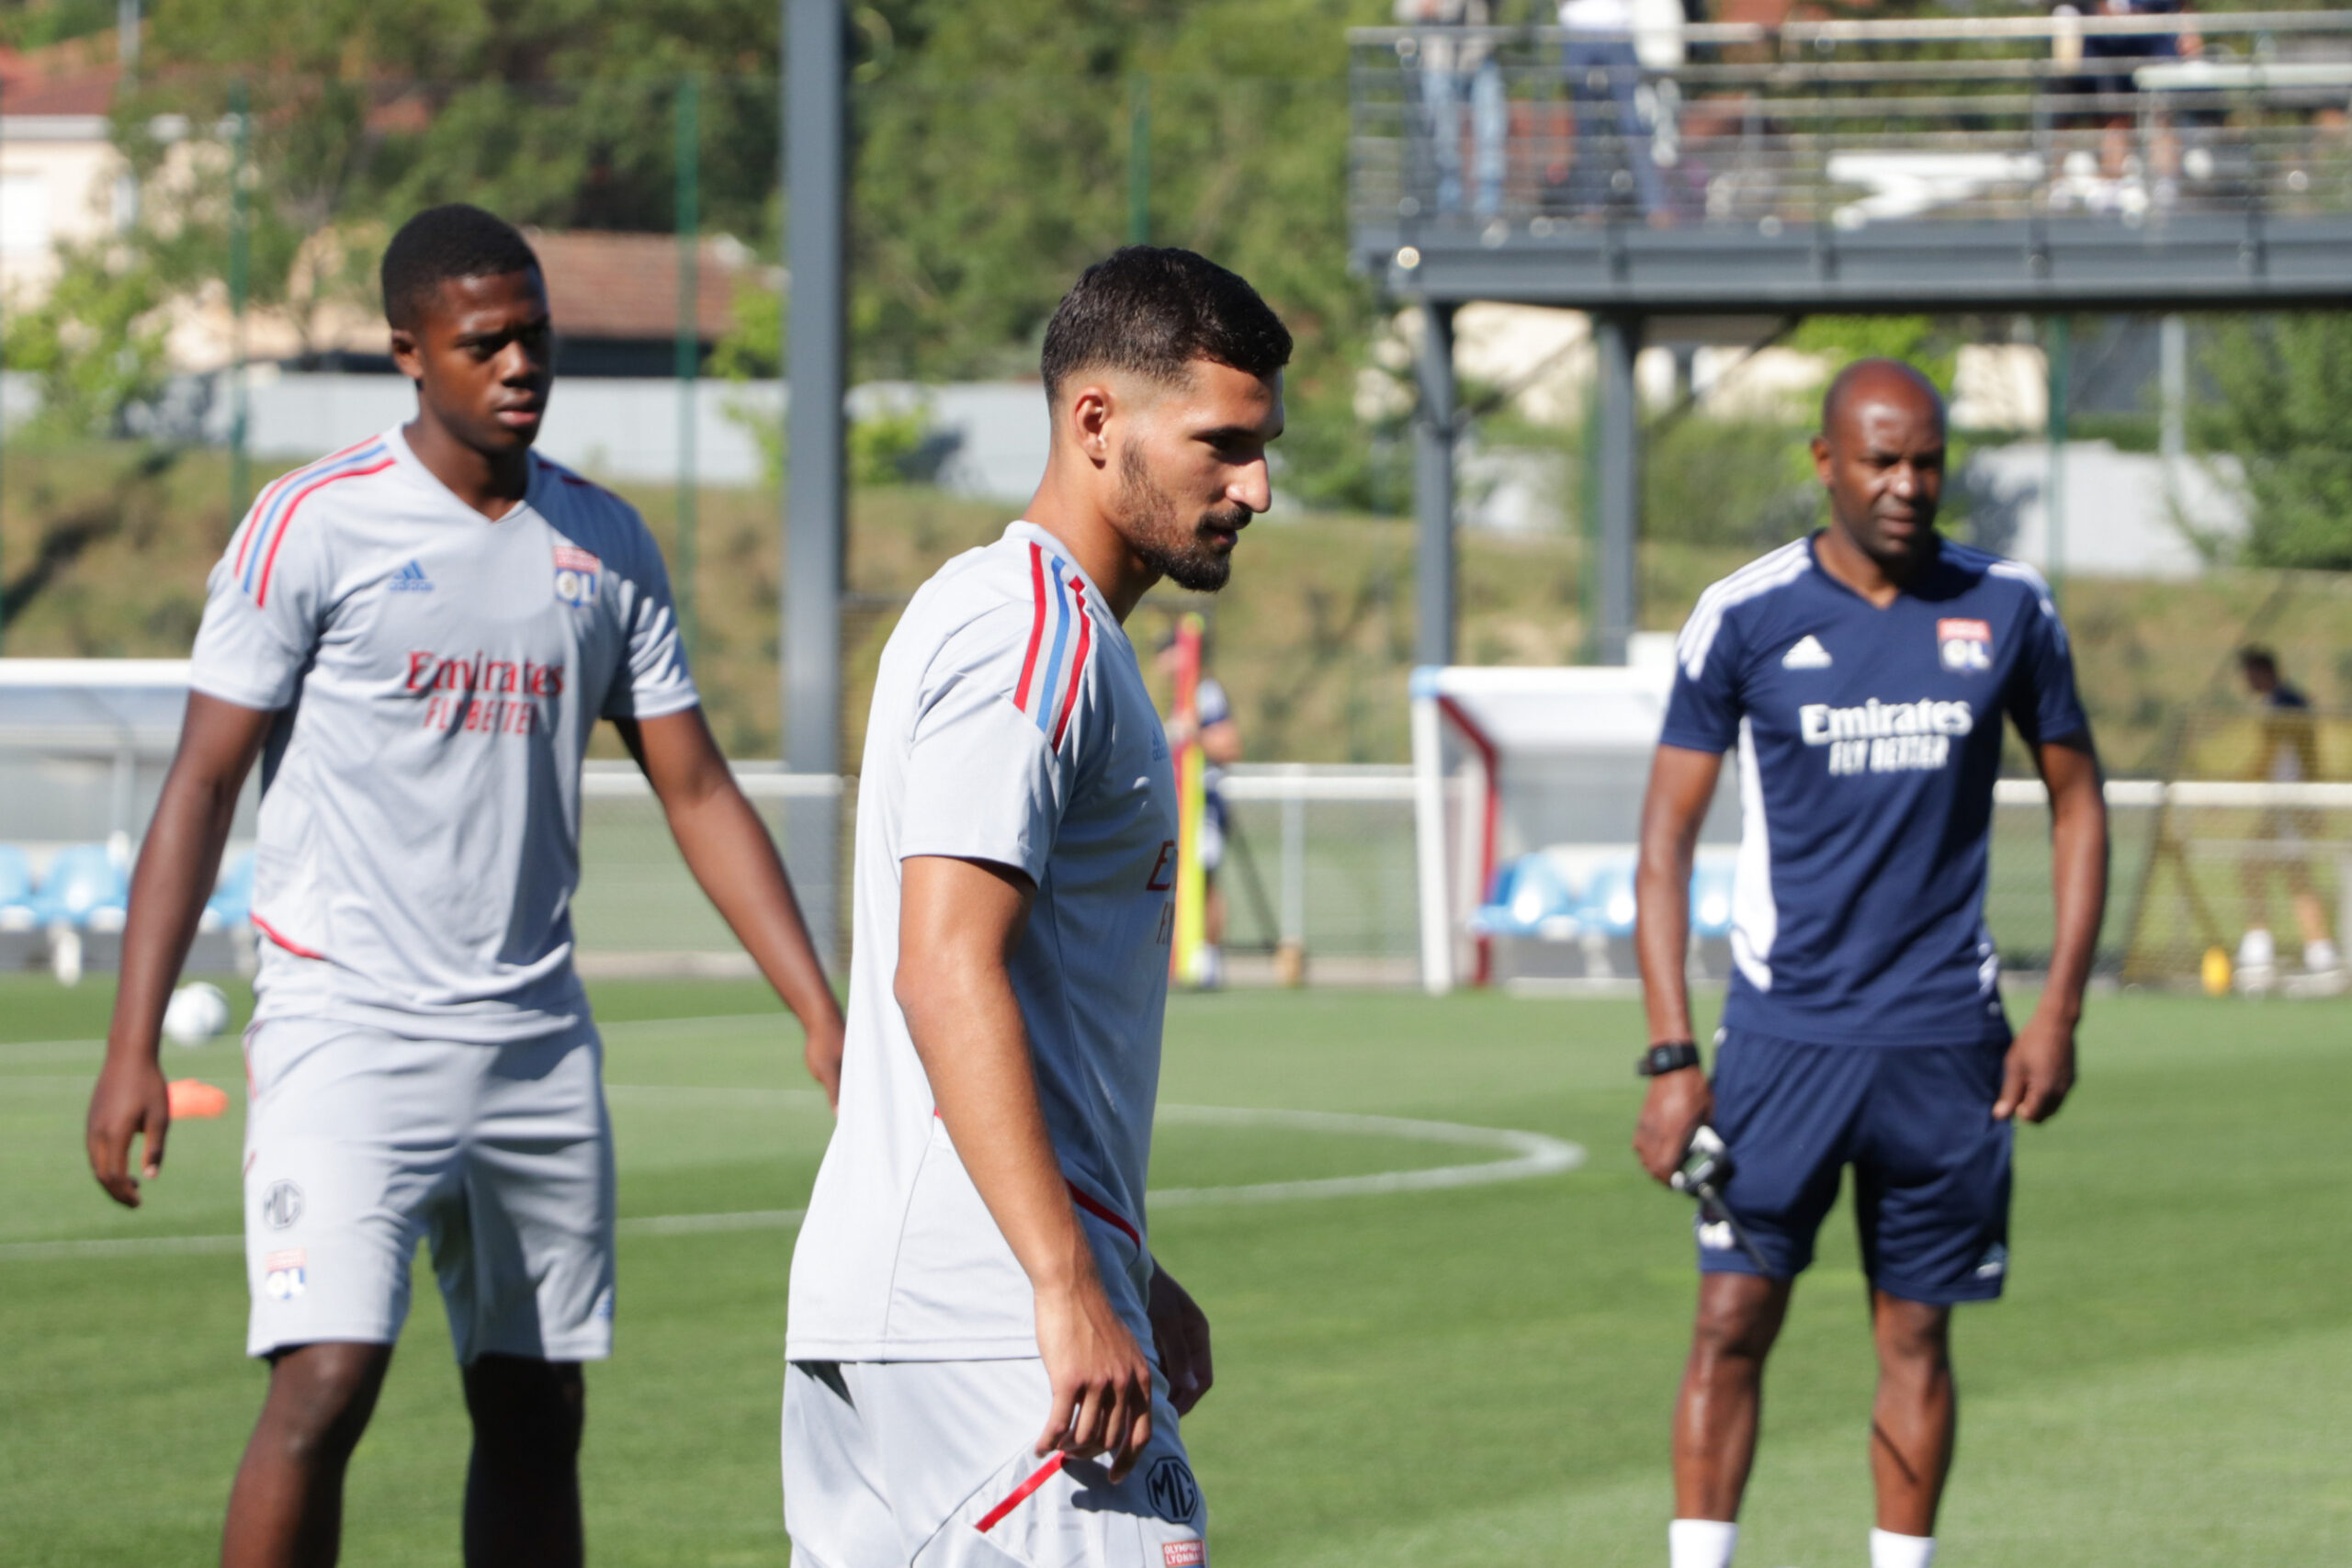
(626, 286)
(56, 81)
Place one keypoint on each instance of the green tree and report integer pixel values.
(94, 342)
(2281, 385)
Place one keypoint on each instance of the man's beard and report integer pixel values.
(1157, 533)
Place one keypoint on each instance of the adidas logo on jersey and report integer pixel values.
(1808, 654)
(411, 578)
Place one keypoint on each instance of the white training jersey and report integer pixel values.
(435, 675)
(1009, 724)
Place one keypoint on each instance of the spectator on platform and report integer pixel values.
(1458, 73)
(1610, 161)
(2108, 61)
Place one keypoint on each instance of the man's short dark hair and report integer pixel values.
(2255, 657)
(1152, 310)
(442, 242)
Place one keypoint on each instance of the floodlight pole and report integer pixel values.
(1616, 340)
(686, 350)
(1434, 435)
(816, 137)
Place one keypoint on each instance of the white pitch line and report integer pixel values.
(1532, 1155)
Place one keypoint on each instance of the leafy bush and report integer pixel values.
(96, 343)
(2282, 384)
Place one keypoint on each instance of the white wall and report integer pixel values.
(2120, 509)
(628, 429)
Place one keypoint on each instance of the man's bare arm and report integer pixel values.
(728, 849)
(177, 866)
(2040, 1071)
(1682, 785)
(958, 922)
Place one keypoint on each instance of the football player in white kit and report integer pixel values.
(987, 1362)
(416, 636)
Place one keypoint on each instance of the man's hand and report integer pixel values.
(1180, 1332)
(2038, 1071)
(1676, 1103)
(1102, 1382)
(131, 1098)
(177, 867)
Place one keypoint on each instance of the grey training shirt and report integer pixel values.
(435, 675)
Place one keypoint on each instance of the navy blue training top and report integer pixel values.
(1868, 740)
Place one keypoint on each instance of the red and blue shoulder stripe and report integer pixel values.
(273, 514)
(1060, 629)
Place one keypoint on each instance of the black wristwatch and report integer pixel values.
(1670, 1056)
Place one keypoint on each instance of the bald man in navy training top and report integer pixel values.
(1863, 673)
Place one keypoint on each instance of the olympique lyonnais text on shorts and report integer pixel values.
(931, 1463)
(358, 1143)
(1931, 1166)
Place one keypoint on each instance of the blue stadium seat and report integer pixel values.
(1530, 898)
(85, 888)
(231, 904)
(1607, 904)
(20, 909)
(1711, 900)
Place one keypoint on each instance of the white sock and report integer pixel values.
(2319, 956)
(1889, 1549)
(2255, 949)
(1701, 1543)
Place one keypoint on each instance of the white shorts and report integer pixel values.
(358, 1144)
(930, 1464)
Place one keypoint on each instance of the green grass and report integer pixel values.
(1477, 1377)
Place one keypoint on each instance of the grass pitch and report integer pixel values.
(1476, 1377)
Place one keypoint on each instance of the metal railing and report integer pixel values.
(1542, 132)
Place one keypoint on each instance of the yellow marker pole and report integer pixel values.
(1192, 805)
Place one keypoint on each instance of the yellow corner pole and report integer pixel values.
(1191, 805)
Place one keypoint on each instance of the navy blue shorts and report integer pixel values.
(1931, 1166)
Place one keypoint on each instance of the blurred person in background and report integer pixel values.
(2107, 63)
(2288, 753)
(1610, 161)
(1459, 71)
(1220, 739)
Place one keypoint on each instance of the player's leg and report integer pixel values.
(1721, 1398)
(523, 1479)
(286, 1509)
(1915, 1414)
(1932, 1204)
(524, 1258)
(2320, 956)
(1787, 1112)
(343, 1153)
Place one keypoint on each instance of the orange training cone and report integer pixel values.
(193, 1098)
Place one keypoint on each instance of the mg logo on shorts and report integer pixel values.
(281, 1205)
(1173, 1492)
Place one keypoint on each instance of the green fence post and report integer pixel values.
(240, 264)
(689, 342)
(1139, 160)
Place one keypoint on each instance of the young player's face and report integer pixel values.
(1191, 469)
(1882, 461)
(483, 356)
